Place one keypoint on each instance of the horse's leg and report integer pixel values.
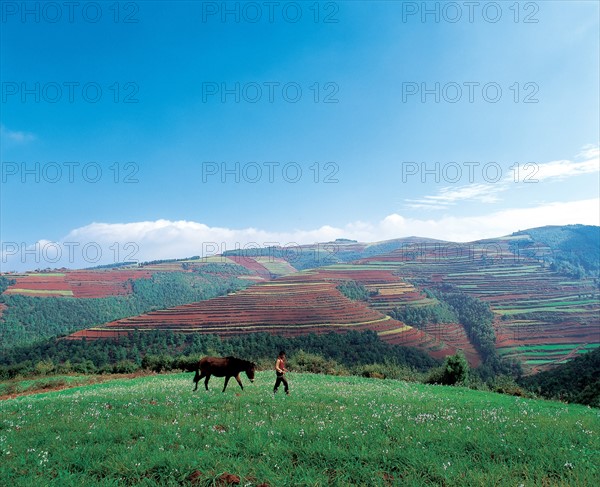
(206, 381)
(197, 378)
(239, 381)
(226, 381)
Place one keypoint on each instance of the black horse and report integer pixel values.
(223, 367)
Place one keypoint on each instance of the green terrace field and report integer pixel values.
(41, 292)
(534, 306)
(278, 267)
(338, 431)
(548, 354)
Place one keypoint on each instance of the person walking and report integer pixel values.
(280, 371)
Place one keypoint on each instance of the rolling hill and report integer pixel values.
(543, 315)
(154, 431)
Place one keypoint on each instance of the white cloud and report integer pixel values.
(449, 196)
(105, 243)
(17, 137)
(588, 162)
(503, 222)
(589, 151)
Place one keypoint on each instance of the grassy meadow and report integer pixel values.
(331, 431)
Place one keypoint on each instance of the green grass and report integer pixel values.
(549, 304)
(277, 267)
(21, 386)
(544, 362)
(522, 270)
(548, 347)
(59, 292)
(538, 309)
(335, 431)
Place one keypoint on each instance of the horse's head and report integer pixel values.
(250, 371)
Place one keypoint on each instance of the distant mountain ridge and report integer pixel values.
(541, 285)
(578, 245)
(575, 248)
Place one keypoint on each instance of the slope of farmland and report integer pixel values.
(43, 304)
(454, 335)
(388, 291)
(534, 306)
(542, 317)
(100, 283)
(323, 254)
(288, 307)
(28, 318)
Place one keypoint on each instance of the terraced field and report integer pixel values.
(299, 304)
(454, 335)
(387, 289)
(99, 283)
(542, 318)
(278, 307)
(78, 284)
(533, 306)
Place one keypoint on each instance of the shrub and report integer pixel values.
(373, 371)
(186, 363)
(44, 367)
(65, 368)
(455, 370)
(85, 367)
(125, 367)
(315, 364)
(157, 363)
(389, 370)
(590, 395)
(505, 384)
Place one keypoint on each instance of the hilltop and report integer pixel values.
(330, 431)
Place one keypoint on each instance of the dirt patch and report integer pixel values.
(59, 385)
(195, 477)
(228, 479)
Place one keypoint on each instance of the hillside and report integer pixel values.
(575, 381)
(28, 318)
(331, 431)
(541, 317)
(322, 254)
(306, 302)
(571, 249)
(543, 313)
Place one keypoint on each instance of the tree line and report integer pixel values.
(576, 381)
(166, 350)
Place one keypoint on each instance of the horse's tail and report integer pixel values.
(197, 376)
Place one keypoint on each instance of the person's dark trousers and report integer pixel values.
(280, 379)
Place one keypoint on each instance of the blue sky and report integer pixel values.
(166, 129)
